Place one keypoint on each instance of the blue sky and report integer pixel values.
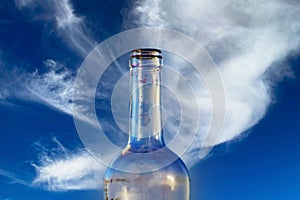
(254, 45)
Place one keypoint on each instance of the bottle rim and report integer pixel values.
(146, 53)
(145, 57)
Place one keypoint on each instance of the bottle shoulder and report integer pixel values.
(160, 160)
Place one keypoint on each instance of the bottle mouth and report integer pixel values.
(145, 53)
(145, 57)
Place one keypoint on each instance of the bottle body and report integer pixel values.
(171, 182)
(146, 169)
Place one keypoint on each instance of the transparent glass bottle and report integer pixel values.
(146, 169)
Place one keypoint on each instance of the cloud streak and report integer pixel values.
(67, 170)
(53, 87)
(13, 177)
(69, 26)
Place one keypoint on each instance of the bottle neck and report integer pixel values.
(145, 129)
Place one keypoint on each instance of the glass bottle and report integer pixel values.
(146, 169)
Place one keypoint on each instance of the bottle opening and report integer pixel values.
(145, 53)
(145, 57)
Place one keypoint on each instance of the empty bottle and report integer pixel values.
(146, 169)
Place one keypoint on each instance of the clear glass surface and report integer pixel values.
(171, 182)
(146, 169)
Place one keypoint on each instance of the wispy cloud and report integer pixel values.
(60, 169)
(69, 26)
(63, 170)
(14, 178)
(244, 38)
(22, 3)
(72, 27)
(54, 87)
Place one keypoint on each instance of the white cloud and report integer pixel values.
(69, 26)
(53, 87)
(67, 170)
(244, 38)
